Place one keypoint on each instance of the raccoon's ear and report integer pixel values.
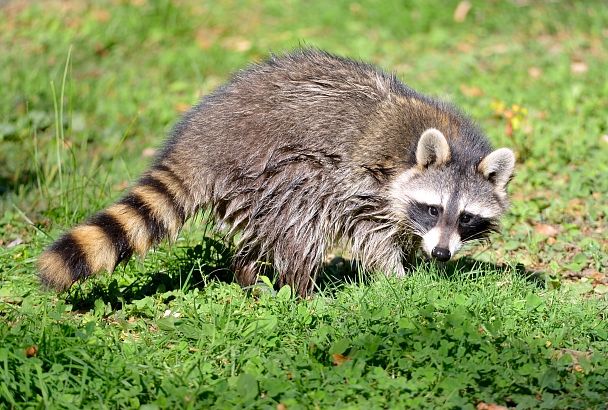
(433, 148)
(497, 167)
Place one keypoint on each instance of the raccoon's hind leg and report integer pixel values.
(294, 251)
(156, 207)
(295, 262)
(246, 266)
(246, 272)
(298, 262)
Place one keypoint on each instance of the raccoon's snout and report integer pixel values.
(442, 254)
(440, 245)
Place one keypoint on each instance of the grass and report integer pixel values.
(89, 89)
(428, 341)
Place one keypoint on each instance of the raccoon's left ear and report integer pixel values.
(497, 167)
(433, 148)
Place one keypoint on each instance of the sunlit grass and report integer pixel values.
(90, 89)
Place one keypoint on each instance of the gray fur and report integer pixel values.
(296, 155)
(301, 152)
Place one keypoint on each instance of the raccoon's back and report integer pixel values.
(308, 100)
(311, 102)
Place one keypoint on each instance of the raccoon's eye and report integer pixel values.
(465, 218)
(433, 211)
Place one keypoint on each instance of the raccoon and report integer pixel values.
(297, 154)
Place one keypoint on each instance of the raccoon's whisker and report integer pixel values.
(482, 235)
(414, 227)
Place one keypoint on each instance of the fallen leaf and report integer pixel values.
(281, 406)
(31, 351)
(464, 47)
(206, 37)
(14, 243)
(509, 129)
(576, 207)
(148, 152)
(497, 49)
(535, 72)
(182, 107)
(101, 15)
(471, 91)
(461, 11)
(237, 44)
(355, 8)
(490, 406)
(546, 230)
(121, 186)
(101, 50)
(339, 359)
(579, 67)
(597, 277)
(576, 355)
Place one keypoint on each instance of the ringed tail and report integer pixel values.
(155, 208)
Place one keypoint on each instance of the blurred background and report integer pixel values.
(89, 89)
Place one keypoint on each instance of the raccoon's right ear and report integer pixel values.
(433, 148)
(497, 167)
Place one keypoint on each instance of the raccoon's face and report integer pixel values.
(447, 203)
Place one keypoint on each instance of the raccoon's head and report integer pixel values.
(451, 197)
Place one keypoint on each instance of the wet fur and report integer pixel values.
(296, 154)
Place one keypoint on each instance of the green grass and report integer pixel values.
(427, 341)
(88, 88)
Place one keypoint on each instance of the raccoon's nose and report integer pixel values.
(442, 254)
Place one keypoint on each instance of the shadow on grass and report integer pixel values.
(340, 272)
(466, 264)
(210, 261)
(26, 179)
(195, 268)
